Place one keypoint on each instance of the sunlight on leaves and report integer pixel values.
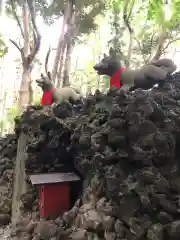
(3, 47)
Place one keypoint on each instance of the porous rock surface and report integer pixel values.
(8, 148)
(125, 146)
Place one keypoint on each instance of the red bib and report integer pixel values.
(115, 79)
(47, 97)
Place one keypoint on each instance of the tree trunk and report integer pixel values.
(30, 90)
(69, 47)
(94, 50)
(162, 39)
(88, 90)
(1, 7)
(61, 64)
(115, 21)
(24, 87)
(28, 52)
(129, 55)
(3, 113)
(59, 47)
(67, 65)
(26, 29)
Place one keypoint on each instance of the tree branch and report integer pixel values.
(13, 6)
(152, 38)
(35, 49)
(46, 60)
(67, 13)
(131, 8)
(36, 34)
(140, 48)
(19, 48)
(33, 15)
(162, 38)
(169, 43)
(126, 18)
(16, 45)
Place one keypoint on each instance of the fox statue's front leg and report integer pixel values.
(125, 87)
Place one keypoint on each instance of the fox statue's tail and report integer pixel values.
(166, 64)
(76, 90)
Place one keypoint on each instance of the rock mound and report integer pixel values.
(8, 148)
(125, 148)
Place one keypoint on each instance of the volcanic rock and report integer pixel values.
(4, 219)
(125, 149)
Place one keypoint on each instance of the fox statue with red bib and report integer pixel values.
(55, 95)
(145, 77)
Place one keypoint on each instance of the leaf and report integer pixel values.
(3, 47)
(12, 113)
(156, 11)
(175, 10)
(85, 22)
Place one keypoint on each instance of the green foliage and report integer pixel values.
(148, 20)
(36, 99)
(117, 31)
(156, 11)
(3, 47)
(175, 10)
(105, 81)
(8, 8)
(87, 79)
(86, 12)
(12, 113)
(164, 15)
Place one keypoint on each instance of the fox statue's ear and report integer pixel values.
(42, 76)
(112, 52)
(49, 75)
(105, 55)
